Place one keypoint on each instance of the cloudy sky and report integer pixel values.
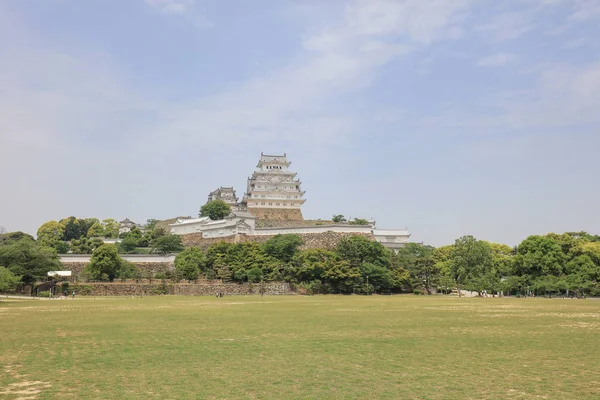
(447, 117)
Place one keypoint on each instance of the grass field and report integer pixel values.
(322, 347)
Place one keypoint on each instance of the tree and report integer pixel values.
(254, 275)
(128, 245)
(427, 270)
(111, 228)
(105, 263)
(190, 263)
(8, 280)
(339, 218)
(471, 258)
(539, 255)
(283, 247)
(309, 265)
(215, 210)
(417, 259)
(128, 270)
(359, 221)
(25, 258)
(359, 249)
(378, 277)
(96, 230)
(167, 244)
(50, 233)
(12, 237)
(85, 245)
(73, 228)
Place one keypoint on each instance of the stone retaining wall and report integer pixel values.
(276, 214)
(184, 289)
(327, 240)
(154, 267)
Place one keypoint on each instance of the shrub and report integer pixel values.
(255, 275)
(417, 291)
(44, 293)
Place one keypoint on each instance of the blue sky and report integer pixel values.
(445, 117)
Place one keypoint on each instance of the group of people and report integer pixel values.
(220, 294)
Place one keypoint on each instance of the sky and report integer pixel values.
(448, 118)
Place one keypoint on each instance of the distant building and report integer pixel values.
(227, 194)
(126, 225)
(273, 192)
(238, 222)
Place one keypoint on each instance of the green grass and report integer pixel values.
(322, 347)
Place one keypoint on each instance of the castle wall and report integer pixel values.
(145, 262)
(327, 240)
(183, 289)
(276, 214)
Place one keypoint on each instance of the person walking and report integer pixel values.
(73, 294)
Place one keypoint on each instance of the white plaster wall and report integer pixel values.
(313, 229)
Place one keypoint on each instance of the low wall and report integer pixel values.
(326, 240)
(154, 263)
(184, 289)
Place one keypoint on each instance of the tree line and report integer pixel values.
(83, 236)
(552, 264)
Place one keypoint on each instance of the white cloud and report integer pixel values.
(293, 102)
(171, 6)
(496, 60)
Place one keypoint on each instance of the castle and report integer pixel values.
(272, 205)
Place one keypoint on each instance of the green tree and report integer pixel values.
(62, 247)
(50, 234)
(96, 231)
(471, 259)
(539, 256)
(359, 221)
(128, 245)
(359, 249)
(428, 271)
(111, 228)
(25, 258)
(8, 280)
(190, 263)
(378, 278)
(73, 228)
(167, 244)
(339, 218)
(85, 245)
(283, 247)
(105, 263)
(12, 237)
(254, 275)
(128, 270)
(309, 265)
(215, 210)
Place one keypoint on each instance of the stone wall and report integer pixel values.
(154, 267)
(269, 223)
(327, 240)
(184, 289)
(277, 214)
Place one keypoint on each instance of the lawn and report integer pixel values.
(321, 347)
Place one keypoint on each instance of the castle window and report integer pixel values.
(270, 204)
(285, 204)
(262, 204)
(276, 204)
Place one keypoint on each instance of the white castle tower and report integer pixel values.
(273, 192)
(225, 193)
